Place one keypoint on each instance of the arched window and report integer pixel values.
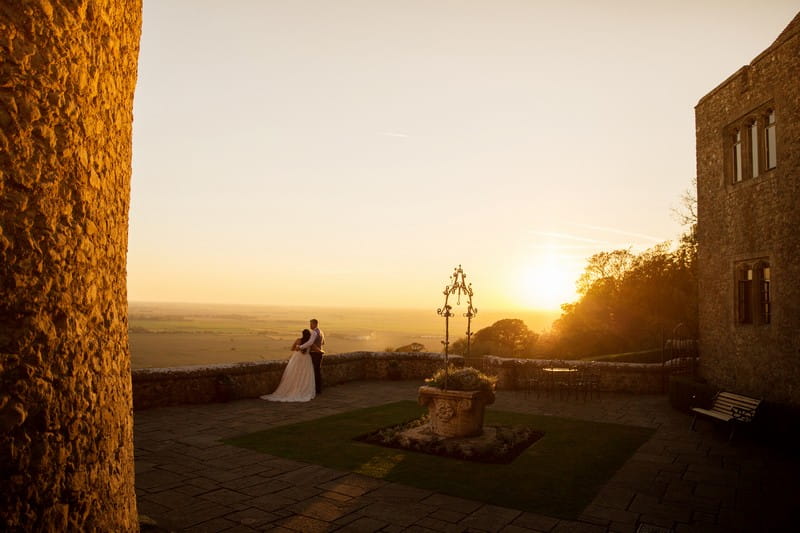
(750, 145)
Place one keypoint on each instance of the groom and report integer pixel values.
(314, 345)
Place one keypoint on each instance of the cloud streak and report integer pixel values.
(567, 236)
(555, 242)
(549, 246)
(621, 232)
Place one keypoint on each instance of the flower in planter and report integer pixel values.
(464, 379)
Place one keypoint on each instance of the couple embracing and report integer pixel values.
(302, 378)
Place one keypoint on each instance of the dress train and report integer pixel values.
(297, 383)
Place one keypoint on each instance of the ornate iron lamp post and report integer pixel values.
(457, 286)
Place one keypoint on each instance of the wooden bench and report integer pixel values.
(730, 408)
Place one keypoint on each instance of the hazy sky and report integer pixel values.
(352, 153)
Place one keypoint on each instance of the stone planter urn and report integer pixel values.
(455, 413)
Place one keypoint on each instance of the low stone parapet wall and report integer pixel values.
(637, 378)
(158, 387)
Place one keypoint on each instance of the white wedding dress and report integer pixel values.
(297, 383)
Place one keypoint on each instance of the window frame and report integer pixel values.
(736, 154)
(754, 147)
(770, 132)
(744, 295)
(753, 293)
(764, 274)
(751, 145)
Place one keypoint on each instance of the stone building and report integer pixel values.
(748, 195)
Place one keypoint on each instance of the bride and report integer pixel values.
(297, 382)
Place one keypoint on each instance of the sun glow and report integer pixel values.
(548, 282)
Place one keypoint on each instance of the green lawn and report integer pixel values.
(557, 476)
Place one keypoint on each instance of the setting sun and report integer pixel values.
(547, 283)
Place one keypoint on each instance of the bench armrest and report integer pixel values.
(743, 414)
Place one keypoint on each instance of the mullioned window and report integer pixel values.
(753, 294)
(751, 145)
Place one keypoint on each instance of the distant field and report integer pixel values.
(166, 334)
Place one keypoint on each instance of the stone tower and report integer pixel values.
(67, 76)
(748, 193)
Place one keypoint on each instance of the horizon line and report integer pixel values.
(364, 307)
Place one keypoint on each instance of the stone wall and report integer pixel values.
(636, 378)
(748, 221)
(67, 77)
(158, 387)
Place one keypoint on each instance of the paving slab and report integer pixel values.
(363, 524)
(490, 518)
(187, 479)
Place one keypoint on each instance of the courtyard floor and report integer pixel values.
(678, 481)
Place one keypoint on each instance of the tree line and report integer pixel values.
(627, 302)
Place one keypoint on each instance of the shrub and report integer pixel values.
(466, 379)
(414, 347)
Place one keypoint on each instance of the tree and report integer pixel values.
(413, 347)
(605, 265)
(686, 212)
(628, 301)
(507, 337)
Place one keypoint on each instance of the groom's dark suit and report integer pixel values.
(316, 352)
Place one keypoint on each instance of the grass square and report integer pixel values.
(557, 476)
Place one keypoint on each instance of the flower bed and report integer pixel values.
(497, 444)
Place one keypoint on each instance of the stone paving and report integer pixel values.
(678, 481)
